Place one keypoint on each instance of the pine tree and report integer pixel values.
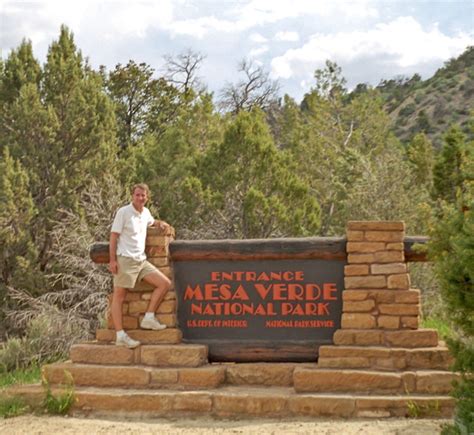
(420, 155)
(447, 171)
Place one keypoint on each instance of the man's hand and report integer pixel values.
(113, 266)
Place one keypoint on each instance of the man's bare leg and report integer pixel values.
(116, 308)
(161, 286)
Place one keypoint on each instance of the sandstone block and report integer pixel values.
(167, 319)
(316, 406)
(357, 321)
(163, 377)
(376, 225)
(157, 251)
(156, 231)
(365, 282)
(401, 281)
(388, 322)
(389, 256)
(280, 374)
(412, 338)
(159, 261)
(436, 358)
(192, 401)
(395, 246)
(92, 375)
(129, 322)
(132, 296)
(384, 236)
(356, 270)
(369, 338)
(364, 247)
(388, 268)
(167, 271)
(327, 380)
(360, 258)
(158, 240)
(411, 296)
(434, 382)
(400, 309)
(203, 377)
(355, 351)
(354, 295)
(343, 337)
(358, 306)
(269, 404)
(101, 354)
(410, 322)
(168, 336)
(344, 363)
(355, 236)
(173, 355)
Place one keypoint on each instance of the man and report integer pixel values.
(128, 263)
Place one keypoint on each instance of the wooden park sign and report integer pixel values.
(259, 299)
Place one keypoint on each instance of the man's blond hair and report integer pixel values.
(142, 186)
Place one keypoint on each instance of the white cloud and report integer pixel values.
(257, 37)
(287, 36)
(402, 43)
(258, 51)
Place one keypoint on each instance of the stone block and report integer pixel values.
(436, 358)
(410, 322)
(132, 296)
(360, 258)
(399, 281)
(411, 296)
(357, 321)
(355, 295)
(167, 271)
(368, 338)
(343, 337)
(162, 378)
(389, 256)
(365, 247)
(92, 375)
(412, 338)
(395, 246)
(327, 380)
(356, 270)
(157, 251)
(276, 374)
(261, 405)
(388, 322)
(384, 236)
(169, 320)
(203, 377)
(129, 322)
(365, 282)
(399, 309)
(434, 382)
(355, 236)
(344, 363)
(193, 401)
(101, 354)
(173, 355)
(388, 268)
(158, 240)
(157, 231)
(320, 406)
(168, 336)
(376, 225)
(159, 261)
(358, 306)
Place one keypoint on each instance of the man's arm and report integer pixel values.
(113, 267)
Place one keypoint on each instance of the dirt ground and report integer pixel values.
(30, 424)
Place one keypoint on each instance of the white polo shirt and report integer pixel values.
(132, 225)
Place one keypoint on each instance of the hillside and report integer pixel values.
(432, 105)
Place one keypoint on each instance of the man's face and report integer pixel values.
(139, 198)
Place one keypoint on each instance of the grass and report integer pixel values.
(12, 407)
(30, 375)
(442, 326)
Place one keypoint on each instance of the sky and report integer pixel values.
(370, 40)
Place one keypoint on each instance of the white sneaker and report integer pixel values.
(127, 342)
(151, 324)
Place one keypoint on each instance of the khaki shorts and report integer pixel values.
(131, 271)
